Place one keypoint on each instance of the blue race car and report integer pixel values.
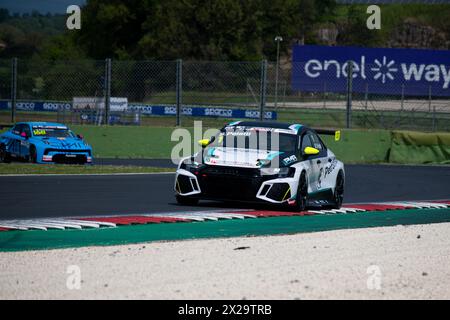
(44, 142)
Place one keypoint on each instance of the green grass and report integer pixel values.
(361, 146)
(13, 168)
(128, 142)
(154, 141)
(144, 142)
(356, 146)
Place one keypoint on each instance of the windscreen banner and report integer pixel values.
(412, 72)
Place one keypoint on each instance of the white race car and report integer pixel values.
(278, 163)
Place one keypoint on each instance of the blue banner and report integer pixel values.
(216, 112)
(375, 70)
(157, 110)
(36, 105)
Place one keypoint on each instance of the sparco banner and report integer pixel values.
(121, 104)
(375, 70)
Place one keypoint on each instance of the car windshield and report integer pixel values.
(52, 133)
(256, 139)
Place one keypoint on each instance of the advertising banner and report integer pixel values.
(414, 72)
(121, 104)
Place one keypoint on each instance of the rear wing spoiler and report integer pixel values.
(335, 133)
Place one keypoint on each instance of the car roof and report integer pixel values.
(37, 124)
(269, 124)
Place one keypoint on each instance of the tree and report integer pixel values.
(112, 28)
(354, 31)
(202, 29)
(4, 15)
(195, 29)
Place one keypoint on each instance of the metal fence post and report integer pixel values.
(349, 92)
(263, 89)
(179, 90)
(402, 103)
(366, 98)
(403, 97)
(429, 98)
(434, 118)
(107, 89)
(13, 89)
(284, 94)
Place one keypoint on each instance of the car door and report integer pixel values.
(25, 142)
(320, 160)
(14, 147)
(314, 164)
(328, 179)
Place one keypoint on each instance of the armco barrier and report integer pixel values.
(417, 147)
(147, 109)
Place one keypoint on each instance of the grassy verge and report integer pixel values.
(356, 146)
(74, 169)
(361, 146)
(128, 142)
(145, 142)
(155, 142)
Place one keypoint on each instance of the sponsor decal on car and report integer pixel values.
(39, 132)
(331, 167)
(238, 133)
(290, 160)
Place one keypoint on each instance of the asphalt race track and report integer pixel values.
(89, 195)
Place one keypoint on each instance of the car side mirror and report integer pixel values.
(206, 142)
(310, 151)
(80, 136)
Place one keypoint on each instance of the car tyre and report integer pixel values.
(5, 156)
(302, 193)
(338, 196)
(33, 155)
(186, 201)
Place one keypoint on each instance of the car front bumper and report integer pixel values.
(235, 184)
(66, 158)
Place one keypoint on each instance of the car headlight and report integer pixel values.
(284, 172)
(191, 165)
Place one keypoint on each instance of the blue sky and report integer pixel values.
(43, 6)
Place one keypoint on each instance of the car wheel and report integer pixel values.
(33, 154)
(5, 157)
(302, 193)
(338, 191)
(186, 201)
